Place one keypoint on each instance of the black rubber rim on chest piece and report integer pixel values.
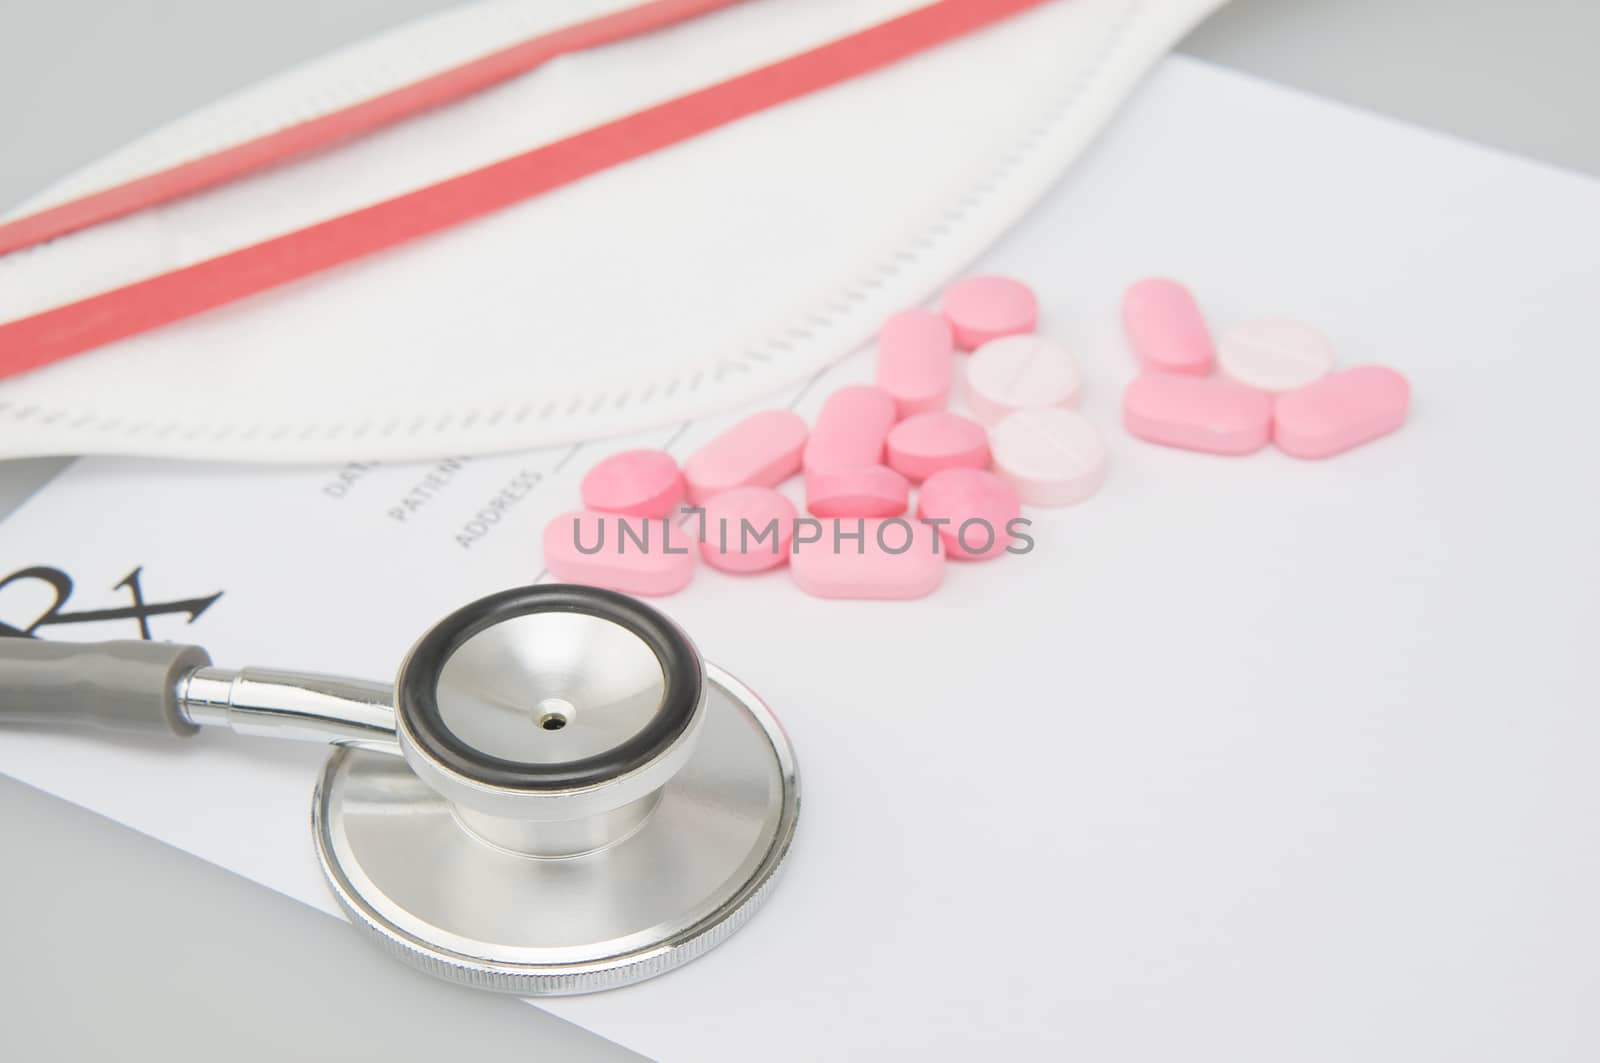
(417, 688)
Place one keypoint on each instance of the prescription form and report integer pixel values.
(1243, 750)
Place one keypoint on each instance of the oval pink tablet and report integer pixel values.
(640, 483)
(748, 529)
(1166, 329)
(635, 555)
(916, 356)
(1020, 373)
(1197, 413)
(974, 509)
(922, 445)
(894, 558)
(850, 429)
(981, 309)
(1341, 411)
(857, 491)
(760, 451)
(1052, 457)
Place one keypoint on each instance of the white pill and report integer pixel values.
(1020, 373)
(1053, 457)
(1275, 355)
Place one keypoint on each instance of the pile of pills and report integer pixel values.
(895, 483)
(1274, 382)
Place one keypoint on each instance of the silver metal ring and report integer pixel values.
(414, 874)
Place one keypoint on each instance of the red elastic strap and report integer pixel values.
(66, 330)
(237, 160)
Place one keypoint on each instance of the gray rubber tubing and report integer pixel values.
(127, 686)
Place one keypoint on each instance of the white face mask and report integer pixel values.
(688, 282)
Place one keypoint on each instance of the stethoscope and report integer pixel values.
(578, 801)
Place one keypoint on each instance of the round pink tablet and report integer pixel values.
(748, 529)
(981, 309)
(635, 555)
(857, 491)
(916, 356)
(1197, 413)
(894, 558)
(975, 509)
(1052, 457)
(1165, 327)
(1020, 373)
(922, 445)
(640, 483)
(850, 429)
(1274, 355)
(760, 451)
(1340, 411)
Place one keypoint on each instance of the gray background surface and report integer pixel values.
(119, 946)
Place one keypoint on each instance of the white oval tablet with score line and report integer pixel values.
(1020, 373)
(1053, 457)
(1274, 355)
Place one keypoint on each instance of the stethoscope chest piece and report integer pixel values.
(556, 794)
(581, 802)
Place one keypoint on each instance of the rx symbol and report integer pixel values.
(140, 611)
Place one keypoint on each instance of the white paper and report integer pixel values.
(1250, 760)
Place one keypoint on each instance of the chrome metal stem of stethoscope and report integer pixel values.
(308, 707)
(269, 703)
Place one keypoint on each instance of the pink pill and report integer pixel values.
(1052, 457)
(748, 529)
(922, 445)
(1021, 373)
(640, 483)
(857, 491)
(981, 309)
(894, 558)
(760, 451)
(850, 430)
(1197, 413)
(1341, 411)
(635, 555)
(916, 355)
(1166, 329)
(975, 509)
